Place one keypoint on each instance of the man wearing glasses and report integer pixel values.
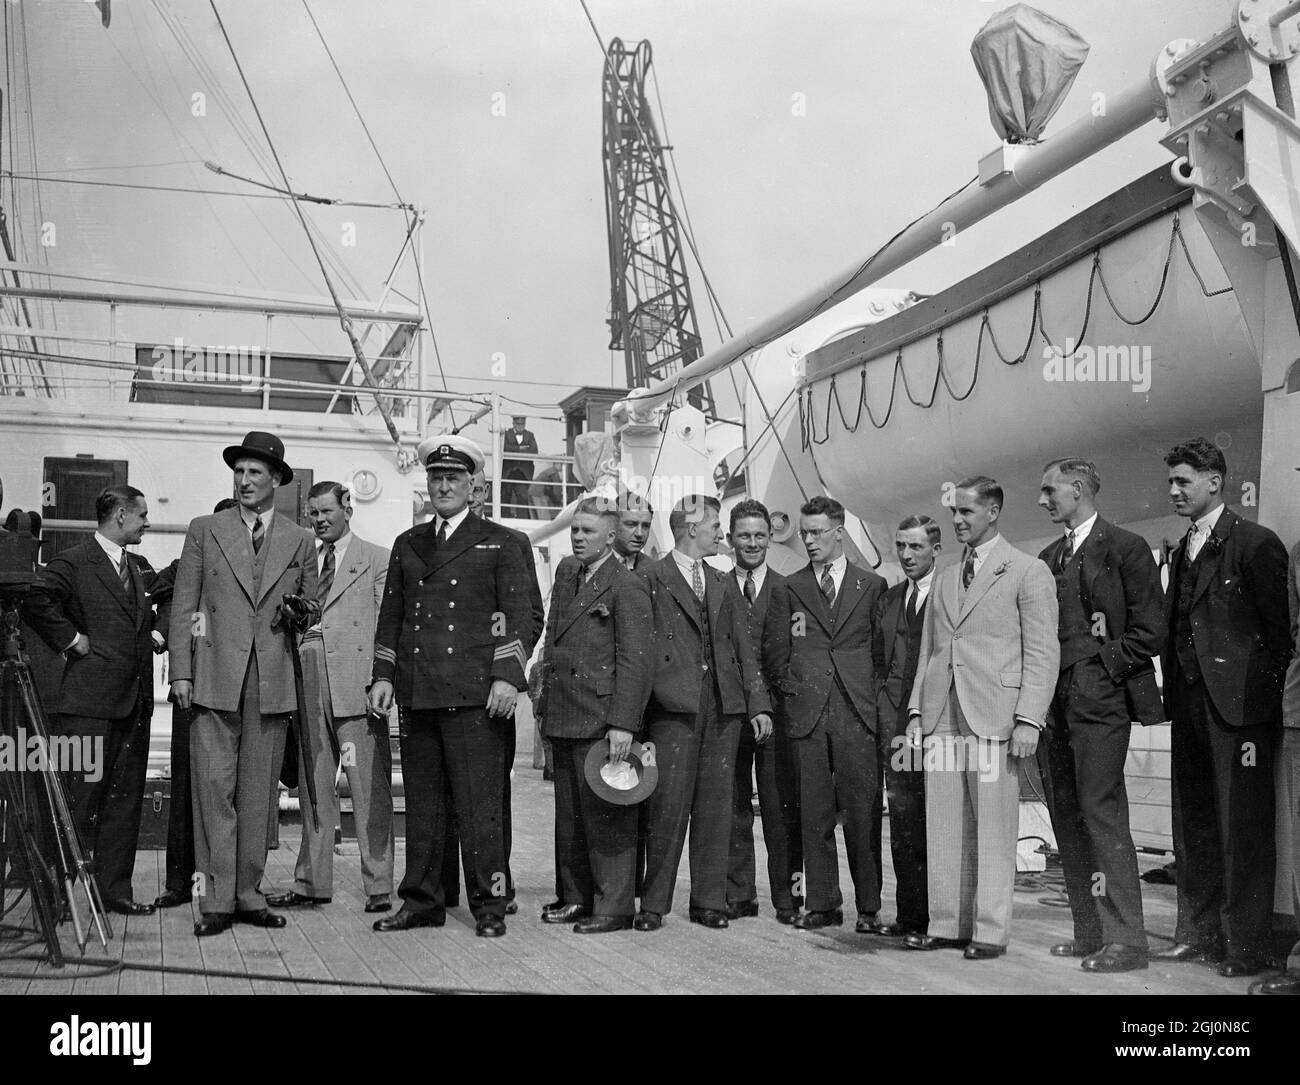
(817, 653)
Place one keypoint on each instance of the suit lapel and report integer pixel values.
(280, 546)
(232, 538)
(586, 596)
(997, 558)
(851, 594)
(108, 575)
(349, 573)
(892, 616)
(804, 586)
(471, 530)
(681, 591)
(1092, 560)
(715, 588)
(1206, 566)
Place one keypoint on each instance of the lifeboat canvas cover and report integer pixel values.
(1028, 62)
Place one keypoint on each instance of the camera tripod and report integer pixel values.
(37, 830)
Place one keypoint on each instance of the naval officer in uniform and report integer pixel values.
(454, 634)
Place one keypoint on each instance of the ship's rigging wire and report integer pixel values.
(412, 222)
(276, 192)
(344, 320)
(1037, 328)
(235, 116)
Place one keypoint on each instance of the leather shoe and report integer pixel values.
(983, 951)
(262, 917)
(1185, 953)
(552, 905)
(1235, 966)
(869, 924)
(405, 919)
(490, 926)
(741, 909)
(123, 906)
(813, 921)
(294, 899)
(927, 941)
(1286, 984)
(603, 924)
(566, 913)
(1072, 949)
(1114, 957)
(710, 917)
(172, 898)
(512, 907)
(787, 916)
(213, 923)
(378, 902)
(647, 921)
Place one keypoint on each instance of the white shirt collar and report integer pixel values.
(452, 522)
(685, 563)
(588, 571)
(922, 587)
(1206, 523)
(982, 551)
(1082, 531)
(249, 517)
(340, 548)
(760, 575)
(110, 548)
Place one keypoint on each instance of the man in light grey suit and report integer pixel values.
(985, 675)
(237, 674)
(338, 654)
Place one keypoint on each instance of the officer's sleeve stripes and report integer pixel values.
(385, 655)
(511, 650)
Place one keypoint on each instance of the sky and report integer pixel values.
(806, 134)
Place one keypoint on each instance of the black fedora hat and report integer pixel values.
(260, 446)
(640, 763)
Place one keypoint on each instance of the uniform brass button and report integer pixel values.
(453, 583)
(451, 604)
(417, 651)
(449, 651)
(421, 583)
(451, 628)
(417, 628)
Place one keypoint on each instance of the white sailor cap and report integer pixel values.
(450, 450)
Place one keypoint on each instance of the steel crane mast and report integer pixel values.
(652, 316)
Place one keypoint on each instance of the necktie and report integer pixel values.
(1194, 541)
(442, 533)
(911, 604)
(259, 533)
(828, 586)
(697, 581)
(326, 580)
(1069, 545)
(751, 592)
(579, 580)
(968, 569)
(124, 574)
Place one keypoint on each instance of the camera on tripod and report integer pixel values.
(18, 555)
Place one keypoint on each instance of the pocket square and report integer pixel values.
(487, 546)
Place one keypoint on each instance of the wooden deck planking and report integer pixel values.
(335, 943)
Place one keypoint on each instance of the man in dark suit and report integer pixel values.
(896, 647)
(635, 517)
(178, 880)
(597, 672)
(231, 660)
(707, 682)
(770, 760)
(1288, 792)
(817, 653)
(1111, 609)
(516, 496)
(450, 649)
(1224, 665)
(92, 603)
